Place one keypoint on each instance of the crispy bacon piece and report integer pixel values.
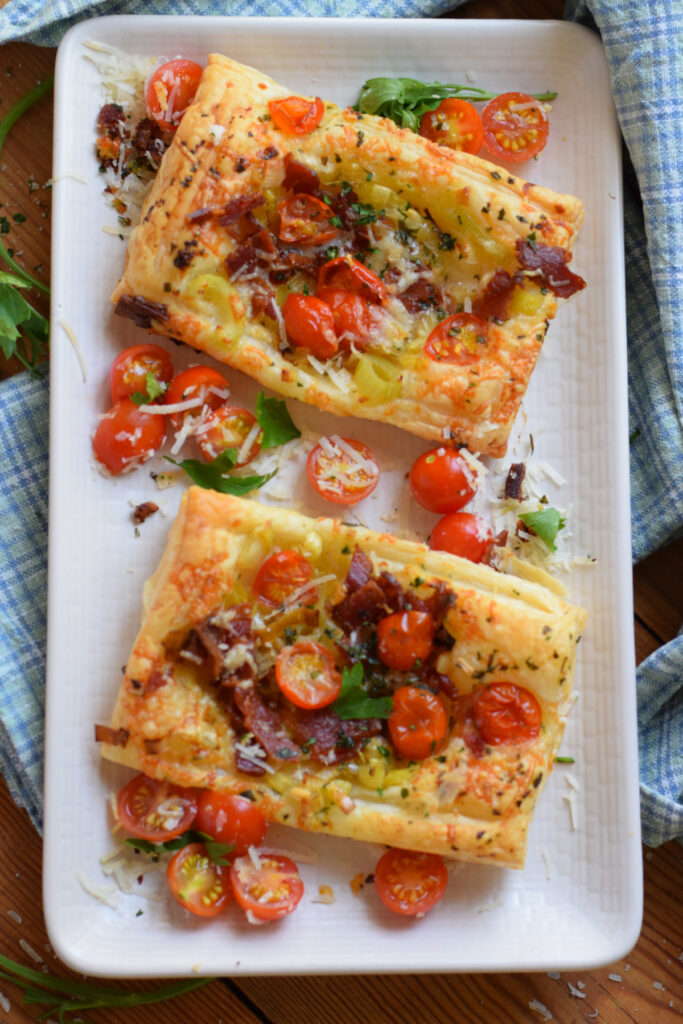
(149, 138)
(493, 304)
(144, 511)
(299, 178)
(499, 541)
(116, 737)
(360, 570)
(552, 261)
(141, 311)
(420, 295)
(237, 207)
(514, 481)
(326, 738)
(360, 607)
(156, 679)
(266, 724)
(263, 301)
(438, 602)
(223, 632)
(199, 216)
(242, 260)
(110, 120)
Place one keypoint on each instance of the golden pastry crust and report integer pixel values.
(468, 800)
(442, 229)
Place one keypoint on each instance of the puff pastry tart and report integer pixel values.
(444, 683)
(349, 263)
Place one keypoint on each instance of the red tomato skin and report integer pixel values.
(195, 382)
(280, 575)
(125, 418)
(183, 73)
(179, 878)
(296, 115)
(248, 883)
(228, 426)
(511, 126)
(505, 713)
(229, 818)
(418, 723)
(404, 638)
(352, 319)
(323, 690)
(410, 883)
(316, 472)
(463, 534)
(305, 220)
(455, 124)
(353, 276)
(129, 370)
(461, 339)
(441, 480)
(137, 801)
(310, 324)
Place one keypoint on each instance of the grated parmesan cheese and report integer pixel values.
(540, 1008)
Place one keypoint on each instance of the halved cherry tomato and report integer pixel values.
(351, 312)
(307, 675)
(515, 127)
(229, 818)
(461, 533)
(228, 427)
(154, 810)
(305, 220)
(409, 882)
(442, 481)
(338, 475)
(352, 276)
(127, 436)
(404, 638)
(461, 339)
(130, 368)
(170, 90)
(296, 115)
(310, 324)
(270, 891)
(456, 124)
(197, 382)
(507, 713)
(198, 884)
(280, 575)
(418, 723)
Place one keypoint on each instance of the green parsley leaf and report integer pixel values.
(154, 389)
(217, 851)
(23, 331)
(212, 476)
(353, 700)
(365, 213)
(564, 760)
(275, 421)
(546, 524)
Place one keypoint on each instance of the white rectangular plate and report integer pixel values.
(578, 902)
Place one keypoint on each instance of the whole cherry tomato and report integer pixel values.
(507, 713)
(280, 575)
(352, 319)
(229, 818)
(197, 883)
(463, 534)
(270, 891)
(171, 89)
(310, 324)
(352, 276)
(515, 127)
(409, 882)
(405, 638)
(307, 675)
(456, 124)
(196, 382)
(127, 436)
(305, 220)
(129, 370)
(418, 723)
(229, 427)
(442, 481)
(461, 339)
(154, 810)
(296, 115)
(340, 476)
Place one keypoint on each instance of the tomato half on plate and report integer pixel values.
(410, 883)
(129, 370)
(352, 276)
(270, 890)
(280, 575)
(230, 818)
(463, 534)
(230, 427)
(455, 124)
(507, 713)
(197, 883)
(442, 481)
(404, 639)
(307, 675)
(127, 436)
(418, 723)
(171, 89)
(197, 382)
(310, 324)
(296, 115)
(515, 127)
(154, 810)
(342, 470)
(305, 220)
(461, 339)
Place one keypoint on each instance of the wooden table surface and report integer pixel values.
(650, 989)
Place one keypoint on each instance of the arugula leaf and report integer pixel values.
(354, 702)
(212, 475)
(154, 388)
(546, 524)
(405, 100)
(29, 344)
(275, 421)
(217, 851)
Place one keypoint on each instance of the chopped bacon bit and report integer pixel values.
(360, 570)
(155, 681)
(237, 207)
(219, 637)
(115, 737)
(514, 481)
(438, 602)
(110, 120)
(327, 738)
(493, 304)
(242, 259)
(144, 511)
(149, 138)
(141, 311)
(266, 725)
(552, 261)
(360, 607)
(298, 177)
(199, 216)
(420, 295)
(499, 541)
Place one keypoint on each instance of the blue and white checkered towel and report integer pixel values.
(643, 40)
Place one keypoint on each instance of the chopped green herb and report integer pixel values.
(564, 760)
(546, 524)
(353, 700)
(154, 389)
